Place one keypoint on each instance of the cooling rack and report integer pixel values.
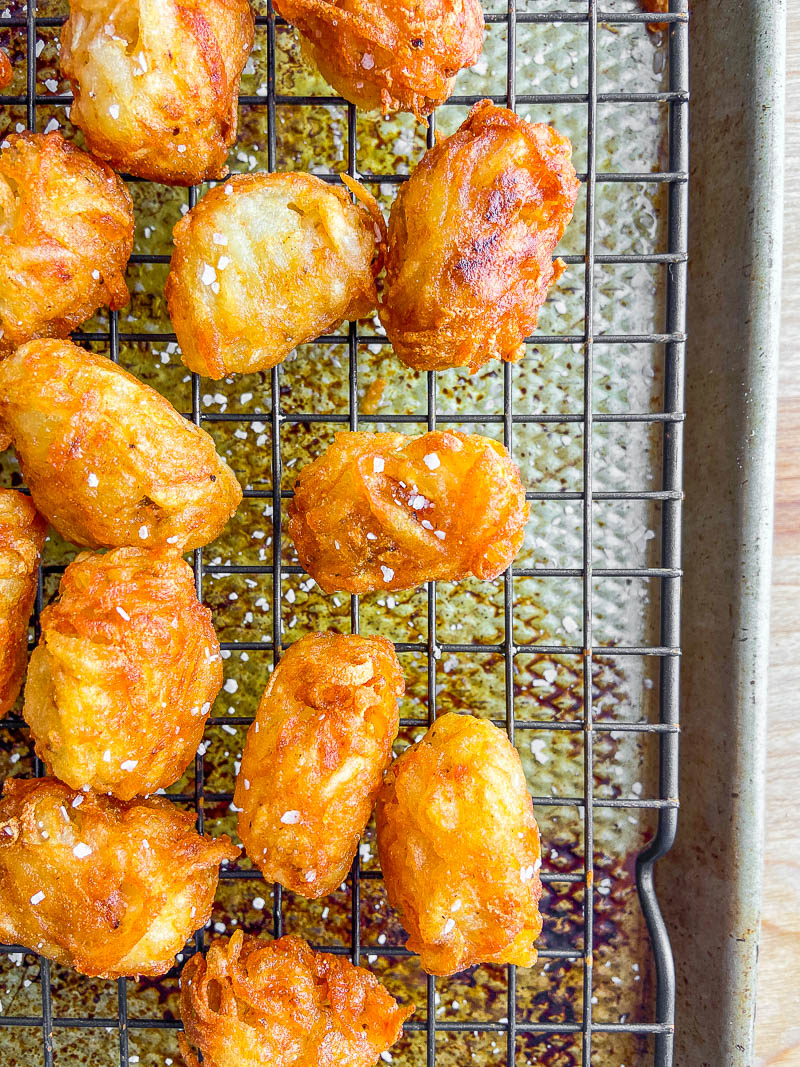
(556, 689)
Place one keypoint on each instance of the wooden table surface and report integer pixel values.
(778, 1013)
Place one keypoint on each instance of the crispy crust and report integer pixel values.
(109, 888)
(6, 70)
(267, 262)
(315, 756)
(107, 459)
(22, 533)
(252, 1002)
(657, 7)
(66, 232)
(471, 237)
(389, 55)
(156, 82)
(389, 511)
(125, 673)
(459, 847)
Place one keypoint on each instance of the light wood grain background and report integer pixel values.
(778, 1012)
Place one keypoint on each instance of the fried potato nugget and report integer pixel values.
(392, 55)
(66, 232)
(155, 82)
(315, 756)
(471, 237)
(6, 70)
(459, 847)
(266, 262)
(108, 460)
(656, 7)
(389, 511)
(106, 887)
(22, 532)
(253, 1002)
(125, 673)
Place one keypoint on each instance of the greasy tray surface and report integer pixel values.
(458, 644)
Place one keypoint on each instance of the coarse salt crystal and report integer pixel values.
(290, 817)
(367, 61)
(377, 464)
(93, 480)
(387, 573)
(144, 533)
(538, 750)
(37, 898)
(181, 148)
(123, 614)
(209, 274)
(456, 906)
(310, 876)
(258, 903)
(223, 262)
(449, 925)
(129, 764)
(219, 238)
(431, 461)
(76, 803)
(96, 275)
(114, 111)
(107, 756)
(81, 851)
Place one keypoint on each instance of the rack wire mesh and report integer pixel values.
(50, 1016)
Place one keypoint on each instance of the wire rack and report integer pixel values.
(507, 1031)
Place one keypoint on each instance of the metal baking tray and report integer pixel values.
(594, 596)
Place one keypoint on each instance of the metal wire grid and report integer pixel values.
(670, 496)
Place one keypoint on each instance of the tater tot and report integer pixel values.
(266, 262)
(389, 511)
(155, 82)
(66, 232)
(656, 7)
(125, 673)
(471, 237)
(107, 887)
(253, 1002)
(315, 756)
(107, 459)
(6, 70)
(391, 55)
(22, 532)
(459, 847)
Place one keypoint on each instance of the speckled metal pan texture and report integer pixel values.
(710, 884)
(575, 651)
